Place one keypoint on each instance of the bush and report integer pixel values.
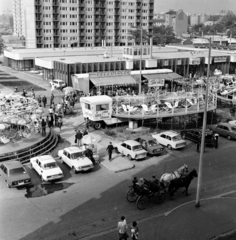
(110, 132)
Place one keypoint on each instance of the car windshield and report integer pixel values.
(137, 147)
(176, 138)
(233, 129)
(16, 171)
(152, 143)
(50, 165)
(77, 155)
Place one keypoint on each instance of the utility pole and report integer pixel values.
(141, 56)
(199, 181)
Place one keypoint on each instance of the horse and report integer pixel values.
(166, 178)
(177, 183)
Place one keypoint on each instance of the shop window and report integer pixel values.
(102, 107)
(87, 106)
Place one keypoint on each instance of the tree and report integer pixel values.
(135, 35)
(2, 46)
(163, 34)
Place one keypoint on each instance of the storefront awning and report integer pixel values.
(167, 76)
(114, 80)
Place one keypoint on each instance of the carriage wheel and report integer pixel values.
(159, 197)
(142, 202)
(131, 195)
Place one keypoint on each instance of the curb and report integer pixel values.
(119, 170)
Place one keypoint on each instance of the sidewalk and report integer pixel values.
(215, 216)
(118, 163)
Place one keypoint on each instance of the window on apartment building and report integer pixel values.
(63, 23)
(110, 17)
(144, 11)
(73, 8)
(131, 4)
(63, 1)
(144, 17)
(144, 4)
(47, 1)
(110, 9)
(109, 24)
(63, 8)
(124, 10)
(89, 23)
(73, 1)
(131, 11)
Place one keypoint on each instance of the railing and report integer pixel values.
(41, 148)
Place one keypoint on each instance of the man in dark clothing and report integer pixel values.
(89, 154)
(44, 101)
(110, 149)
(51, 99)
(43, 127)
(79, 137)
(216, 135)
(39, 100)
(198, 145)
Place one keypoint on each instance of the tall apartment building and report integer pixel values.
(81, 23)
(18, 17)
(178, 20)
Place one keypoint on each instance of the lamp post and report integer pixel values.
(140, 64)
(197, 204)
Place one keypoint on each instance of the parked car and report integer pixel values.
(74, 157)
(233, 122)
(226, 130)
(14, 174)
(57, 83)
(195, 135)
(170, 139)
(150, 144)
(46, 166)
(132, 149)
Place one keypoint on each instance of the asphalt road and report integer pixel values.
(90, 203)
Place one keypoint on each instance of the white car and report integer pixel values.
(170, 139)
(57, 83)
(46, 166)
(233, 122)
(132, 149)
(74, 157)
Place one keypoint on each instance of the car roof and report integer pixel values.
(170, 133)
(46, 158)
(12, 164)
(132, 142)
(73, 149)
(147, 138)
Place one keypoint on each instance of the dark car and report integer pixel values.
(226, 130)
(150, 144)
(195, 135)
(14, 174)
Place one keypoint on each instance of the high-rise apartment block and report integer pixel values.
(81, 23)
(197, 19)
(19, 17)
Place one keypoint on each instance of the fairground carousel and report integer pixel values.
(18, 117)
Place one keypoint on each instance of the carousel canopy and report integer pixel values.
(167, 76)
(113, 80)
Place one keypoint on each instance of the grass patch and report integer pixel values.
(21, 85)
(110, 132)
(62, 143)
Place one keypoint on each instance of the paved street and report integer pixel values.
(96, 200)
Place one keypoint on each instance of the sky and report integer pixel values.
(189, 6)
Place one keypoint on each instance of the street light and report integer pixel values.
(197, 204)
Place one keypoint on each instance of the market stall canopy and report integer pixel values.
(113, 80)
(167, 76)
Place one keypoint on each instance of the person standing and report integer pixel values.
(39, 100)
(59, 122)
(198, 145)
(122, 229)
(216, 135)
(89, 154)
(43, 127)
(79, 137)
(48, 122)
(110, 149)
(134, 231)
(51, 99)
(44, 100)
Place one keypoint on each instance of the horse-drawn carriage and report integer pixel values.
(143, 191)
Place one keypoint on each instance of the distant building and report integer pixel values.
(158, 22)
(197, 19)
(178, 20)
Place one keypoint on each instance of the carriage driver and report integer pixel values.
(154, 184)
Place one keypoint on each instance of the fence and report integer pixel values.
(41, 148)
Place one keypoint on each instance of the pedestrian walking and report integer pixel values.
(122, 229)
(51, 119)
(134, 231)
(51, 99)
(43, 124)
(78, 138)
(198, 146)
(33, 93)
(50, 110)
(48, 122)
(39, 100)
(56, 119)
(44, 100)
(87, 122)
(110, 149)
(216, 135)
(59, 122)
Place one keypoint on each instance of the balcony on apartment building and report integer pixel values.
(38, 3)
(55, 26)
(82, 26)
(102, 26)
(82, 4)
(116, 12)
(139, 12)
(82, 34)
(117, 19)
(55, 3)
(117, 26)
(38, 9)
(56, 34)
(82, 19)
(97, 26)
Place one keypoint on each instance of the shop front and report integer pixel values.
(221, 63)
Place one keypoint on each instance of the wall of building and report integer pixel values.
(30, 22)
(181, 23)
